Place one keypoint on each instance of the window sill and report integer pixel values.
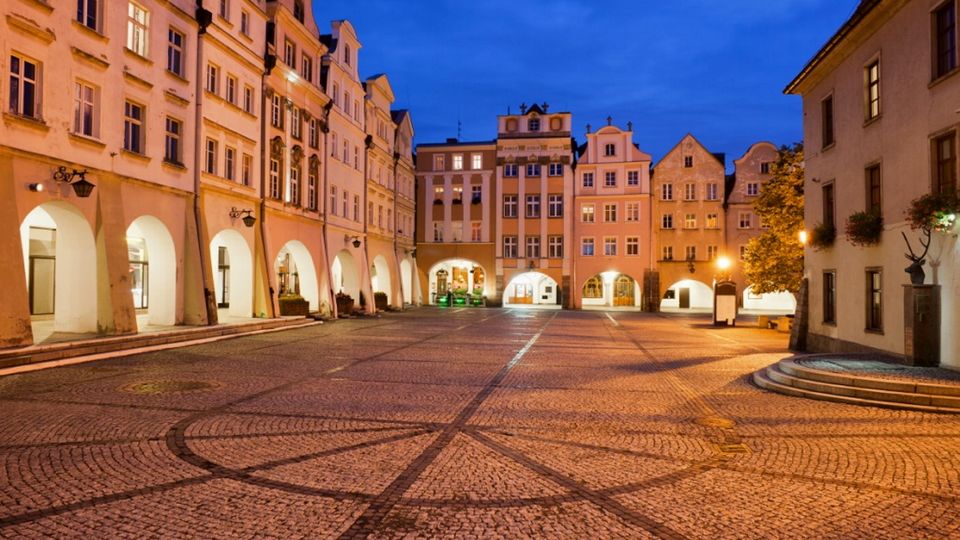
(29, 121)
(41, 4)
(870, 121)
(176, 76)
(135, 155)
(137, 56)
(226, 22)
(831, 324)
(944, 77)
(828, 147)
(86, 139)
(176, 166)
(874, 331)
(92, 32)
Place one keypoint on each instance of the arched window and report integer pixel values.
(593, 288)
(442, 281)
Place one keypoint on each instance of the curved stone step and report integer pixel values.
(795, 369)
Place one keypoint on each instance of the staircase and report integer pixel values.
(793, 379)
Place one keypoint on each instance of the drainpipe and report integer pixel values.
(269, 63)
(396, 247)
(204, 19)
(324, 196)
(368, 144)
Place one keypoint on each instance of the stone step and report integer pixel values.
(798, 370)
(70, 349)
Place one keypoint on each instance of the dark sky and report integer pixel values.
(713, 68)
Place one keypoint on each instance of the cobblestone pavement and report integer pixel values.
(465, 423)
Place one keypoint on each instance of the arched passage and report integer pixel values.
(296, 273)
(380, 277)
(687, 294)
(232, 273)
(782, 302)
(531, 288)
(153, 270)
(60, 259)
(610, 289)
(345, 275)
(406, 279)
(459, 277)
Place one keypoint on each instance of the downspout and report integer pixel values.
(396, 246)
(324, 196)
(368, 144)
(204, 19)
(270, 61)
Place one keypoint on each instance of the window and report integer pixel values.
(213, 79)
(24, 83)
(313, 133)
(690, 192)
(533, 170)
(556, 169)
(667, 253)
(231, 95)
(509, 206)
(333, 145)
(593, 288)
(688, 162)
(712, 192)
(347, 54)
(476, 194)
(874, 300)
(476, 161)
(475, 231)
(436, 224)
(586, 247)
(88, 14)
(666, 221)
(306, 68)
(335, 95)
(711, 222)
(555, 206)
(690, 221)
(874, 202)
(437, 227)
(765, 167)
(610, 246)
(610, 150)
(945, 164)
(457, 225)
(588, 179)
(828, 205)
(872, 77)
(356, 208)
(743, 251)
(293, 188)
(458, 194)
(290, 53)
(175, 43)
(273, 179)
(711, 252)
(555, 247)
(245, 23)
(85, 110)
(333, 200)
(246, 172)
(633, 246)
(298, 10)
(610, 179)
(133, 119)
(745, 220)
(533, 206)
(533, 247)
(229, 163)
(945, 39)
(826, 120)
(345, 198)
(510, 170)
(533, 124)
(210, 159)
(587, 213)
(438, 194)
(137, 27)
(610, 213)
(224, 9)
(830, 297)
(753, 189)
(172, 145)
(296, 124)
(633, 178)
(438, 162)
(666, 193)
(691, 253)
(458, 162)
(632, 211)
(509, 247)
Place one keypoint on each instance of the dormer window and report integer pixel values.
(298, 10)
(346, 53)
(610, 150)
(533, 124)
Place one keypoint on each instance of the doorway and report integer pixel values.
(623, 291)
(684, 298)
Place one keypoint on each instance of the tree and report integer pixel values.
(773, 261)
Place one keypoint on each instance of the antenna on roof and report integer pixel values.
(459, 128)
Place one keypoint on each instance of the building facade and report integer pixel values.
(880, 123)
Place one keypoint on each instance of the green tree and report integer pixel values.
(773, 261)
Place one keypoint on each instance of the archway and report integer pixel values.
(296, 273)
(610, 289)
(60, 260)
(531, 289)
(380, 277)
(153, 271)
(687, 294)
(457, 278)
(345, 275)
(776, 303)
(232, 273)
(406, 278)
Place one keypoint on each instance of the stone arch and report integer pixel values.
(296, 273)
(380, 277)
(345, 275)
(153, 269)
(406, 279)
(531, 288)
(687, 294)
(610, 289)
(452, 274)
(232, 265)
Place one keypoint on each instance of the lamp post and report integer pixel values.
(724, 293)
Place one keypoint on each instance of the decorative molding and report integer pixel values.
(296, 154)
(41, 4)
(137, 80)
(276, 148)
(173, 97)
(35, 123)
(99, 62)
(30, 28)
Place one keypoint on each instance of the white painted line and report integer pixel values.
(517, 357)
(614, 321)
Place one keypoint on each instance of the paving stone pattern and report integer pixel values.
(465, 423)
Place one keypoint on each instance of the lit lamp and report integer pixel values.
(804, 237)
(724, 264)
(248, 218)
(75, 178)
(356, 240)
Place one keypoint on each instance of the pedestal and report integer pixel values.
(921, 320)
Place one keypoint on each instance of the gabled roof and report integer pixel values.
(719, 156)
(380, 79)
(535, 109)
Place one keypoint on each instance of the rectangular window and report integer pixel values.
(586, 247)
(345, 203)
(945, 163)
(436, 224)
(229, 163)
(533, 206)
(711, 222)
(88, 14)
(874, 201)
(533, 247)
(712, 193)
(872, 79)
(248, 99)
(633, 246)
(356, 208)
(690, 192)
(765, 167)
(753, 189)
(610, 179)
(313, 133)
(438, 162)
(213, 79)
(289, 54)
(632, 211)
(610, 213)
(743, 251)
(828, 205)
(333, 200)
(210, 159)
(690, 221)
(246, 176)
(610, 246)
(245, 23)
(610, 150)
(688, 161)
(588, 179)
(945, 39)
(711, 252)
(691, 253)
(138, 21)
(533, 170)
(476, 161)
(133, 130)
(224, 9)
(438, 194)
(457, 194)
(666, 192)
(874, 300)
(509, 206)
(666, 221)
(587, 213)
(458, 162)
(175, 44)
(633, 178)
(826, 121)
(296, 123)
(533, 124)
(830, 297)
(24, 87)
(509, 247)
(555, 206)
(437, 227)
(555, 247)
(556, 169)
(276, 111)
(173, 146)
(511, 170)
(85, 110)
(667, 253)
(475, 231)
(273, 180)
(306, 68)
(293, 187)
(476, 194)
(745, 220)
(231, 94)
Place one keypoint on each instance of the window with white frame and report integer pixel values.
(691, 253)
(711, 252)
(173, 141)
(133, 127)
(588, 179)
(276, 111)
(476, 194)
(176, 42)
(633, 246)
(306, 68)
(231, 93)
(345, 201)
(458, 162)
(745, 220)
(245, 23)
(555, 169)
(224, 9)
(273, 180)
(213, 79)
(248, 99)
(765, 167)
(85, 109)
(475, 231)
(333, 145)
(246, 169)
(509, 206)
(313, 134)
(138, 21)
(633, 178)
(555, 206)
(438, 194)
(666, 192)
(533, 247)
(690, 221)
(438, 162)
(667, 253)
(587, 213)
(333, 201)
(210, 158)
(711, 221)
(666, 221)
(690, 192)
(24, 86)
(610, 179)
(229, 163)
(290, 53)
(458, 194)
(555, 247)
(356, 208)
(632, 211)
(476, 161)
(743, 251)
(533, 170)
(587, 246)
(296, 123)
(509, 247)
(313, 175)
(610, 246)
(712, 193)
(610, 212)
(437, 231)
(610, 150)
(533, 206)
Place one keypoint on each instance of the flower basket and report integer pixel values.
(864, 228)
(380, 300)
(294, 305)
(344, 304)
(934, 211)
(823, 236)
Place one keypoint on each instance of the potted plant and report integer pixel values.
(344, 304)
(380, 300)
(934, 211)
(460, 297)
(864, 228)
(823, 236)
(294, 305)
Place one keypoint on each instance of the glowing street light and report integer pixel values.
(724, 263)
(804, 237)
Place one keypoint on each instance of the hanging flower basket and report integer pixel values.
(864, 228)
(823, 236)
(934, 211)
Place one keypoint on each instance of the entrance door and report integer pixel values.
(684, 298)
(223, 266)
(42, 281)
(623, 291)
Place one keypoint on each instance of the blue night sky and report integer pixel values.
(715, 69)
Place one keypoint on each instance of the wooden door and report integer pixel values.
(684, 298)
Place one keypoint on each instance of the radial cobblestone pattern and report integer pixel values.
(465, 423)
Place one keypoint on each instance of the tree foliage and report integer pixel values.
(773, 261)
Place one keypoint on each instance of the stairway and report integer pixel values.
(793, 379)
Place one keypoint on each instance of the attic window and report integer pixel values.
(688, 161)
(298, 10)
(346, 54)
(610, 150)
(533, 124)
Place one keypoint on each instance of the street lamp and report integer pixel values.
(804, 237)
(76, 179)
(724, 263)
(356, 240)
(248, 218)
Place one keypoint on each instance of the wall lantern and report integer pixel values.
(248, 218)
(356, 240)
(691, 266)
(75, 178)
(36, 187)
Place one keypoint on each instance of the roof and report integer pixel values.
(457, 143)
(398, 115)
(863, 9)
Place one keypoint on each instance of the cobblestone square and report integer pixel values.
(465, 423)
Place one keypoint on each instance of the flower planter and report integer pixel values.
(294, 306)
(380, 301)
(344, 304)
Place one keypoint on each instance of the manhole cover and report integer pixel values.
(716, 422)
(167, 387)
